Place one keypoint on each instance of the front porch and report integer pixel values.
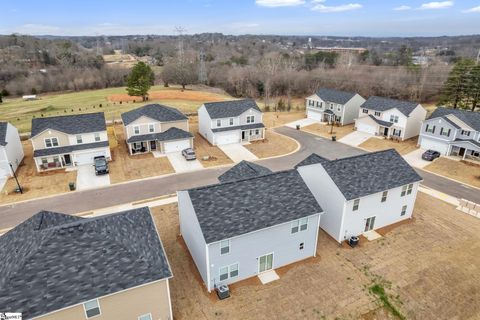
(143, 147)
(390, 132)
(253, 134)
(54, 162)
(464, 152)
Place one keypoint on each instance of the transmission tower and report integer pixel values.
(99, 50)
(478, 57)
(202, 70)
(180, 31)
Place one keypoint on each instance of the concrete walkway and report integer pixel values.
(86, 178)
(356, 138)
(237, 152)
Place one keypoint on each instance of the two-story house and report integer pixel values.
(329, 105)
(390, 118)
(156, 127)
(11, 150)
(67, 141)
(57, 266)
(452, 132)
(242, 228)
(361, 193)
(231, 122)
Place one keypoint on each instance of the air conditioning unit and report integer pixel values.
(223, 292)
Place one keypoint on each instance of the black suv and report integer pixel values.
(101, 165)
(430, 155)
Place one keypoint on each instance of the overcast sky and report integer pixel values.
(292, 17)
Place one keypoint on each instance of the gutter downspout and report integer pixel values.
(208, 268)
(318, 231)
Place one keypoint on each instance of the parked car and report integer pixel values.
(101, 165)
(189, 154)
(430, 155)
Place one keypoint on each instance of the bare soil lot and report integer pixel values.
(466, 172)
(427, 267)
(273, 145)
(403, 147)
(326, 131)
(171, 94)
(278, 119)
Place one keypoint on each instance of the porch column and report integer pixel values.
(129, 146)
(449, 150)
(263, 133)
(465, 153)
(148, 146)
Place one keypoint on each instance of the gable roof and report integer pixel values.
(238, 207)
(381, 122)
(336, 96)
(470, 118)
(172, 133)
(232, 108)
(52, 260)
(72, 124)
(3, 133)
(153, 111)
(369, 173)
(384, 104)
(243, 170)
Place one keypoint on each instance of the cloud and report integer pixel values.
(472, 10)
(279, 3)
(320, 7)
(402, 8)
(436, 5)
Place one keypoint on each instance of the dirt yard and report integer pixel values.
(278, 119)
(324, 130)
(124, 167)
(35, 184)
(273, 145)
(171, 94)
(403, 147)
(466, 172)
(428, 269)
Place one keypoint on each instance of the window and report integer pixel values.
(151, 128)
(299, 225)
(224, 247)
(233, 270)
(92, 308)
(219, 123)
(79, 138)
(230, 271)
(407, 189)
(365, 110)
(136, 130)
(410, 188)
(339, 108)
(430, 129)
(51, 142)
(377, 113)
(393, 118)
(465, 133)
(44, 160)
(56, 159)
(257, 132)
(404, 210)
(250, 119)
(145, 317)
(445, 132)
(356, 203)
(311, 102)
(294, 226)
(301, 246)
(223, 273)
(97, 136)
(331, 106)
(231, 121)
(384, 196)
(303, 224)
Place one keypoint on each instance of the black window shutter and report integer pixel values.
(441, 130)
(433, 131)
(448, 134)
(426, 128)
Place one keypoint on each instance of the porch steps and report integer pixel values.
(268, 276)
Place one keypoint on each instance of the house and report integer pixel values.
(57, 266)
(329, 105)
(452, 132)
(231, 122)
(67, 141)
(239, 229)
(361, 193)
(390, 118)
(155, 127)
(11, 150)
(242, 170)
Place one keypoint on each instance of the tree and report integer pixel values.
(473, 87)
(182, 73)
(1, 100)
(456, 87)
(140, 79)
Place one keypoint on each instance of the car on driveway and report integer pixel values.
(189, 154)
(101, 165)
(430, 155)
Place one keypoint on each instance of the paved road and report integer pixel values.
(11, 215)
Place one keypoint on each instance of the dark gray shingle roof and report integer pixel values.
(242, 127)
(369, 173)
(384, 104)
(3, 133)
(381, 122)
(153, 111)
(233, 108)
(73, 124)
(171, 134)
(336, 96)
(234, 208)
(469, 117)
(243, 170)
(52, 261)
(474, 142)
(67, 149)
(312, 159)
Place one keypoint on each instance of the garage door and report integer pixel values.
(174, 146)
(365, 127)
(226, 138)
(87, 157)
(314, 115)
(433, 145)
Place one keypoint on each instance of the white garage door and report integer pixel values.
(174, 146)
(365, 127)
(87, 157)
(315, 115)
(434, 145)
(226, 138)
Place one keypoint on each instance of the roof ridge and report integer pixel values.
(365, 154)
(70, 115)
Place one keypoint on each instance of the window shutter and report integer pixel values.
(448, 134)
(441, 130)
(433, 131)
(426, 128)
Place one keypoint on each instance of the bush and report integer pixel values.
(4, 93)
(281, 105)
(33, 91)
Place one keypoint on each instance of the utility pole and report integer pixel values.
(202, 70)
(16, 180)
(478, 56)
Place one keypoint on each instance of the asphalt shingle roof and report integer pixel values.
(381, 122)
(234, 208)
(3, 133)
(366, 174)
(469, 117)
(226, 109)
(384, 104)
(52, 261)
(67, 149)
(73, 124)
(242, 127)
(336, 96)
(243, 170)
(153, 111)
(172, 133)
(474, 142)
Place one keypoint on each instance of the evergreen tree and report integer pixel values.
(456, 87)
(473, 87)
(140, 80)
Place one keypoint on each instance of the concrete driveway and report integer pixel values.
(414, 159)
(301, 122)
(179, 163)
(86, 178)
(355, 138)
(237, 152)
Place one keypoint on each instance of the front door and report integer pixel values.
(68, 159)
(265, 263)
(385, 132)
(153, 145)
(461, 152)
(243, 135)
(369, 224)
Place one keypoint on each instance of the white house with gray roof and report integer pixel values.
(330, 105)
(241, 228)
(11, 150)
(68, 141)
(361, 193)
(233, 121)
(390, 118)
(156, 127)
(452, 132)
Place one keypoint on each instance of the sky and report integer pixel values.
(376, 18)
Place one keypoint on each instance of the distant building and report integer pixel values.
(341, 49)
(30, 97)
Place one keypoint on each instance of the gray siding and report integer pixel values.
(438, 123)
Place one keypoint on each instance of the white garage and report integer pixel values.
(87, 157)
(226, 137)
(314, 115)
(366, 125)
(432, 144)
(175, 146)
